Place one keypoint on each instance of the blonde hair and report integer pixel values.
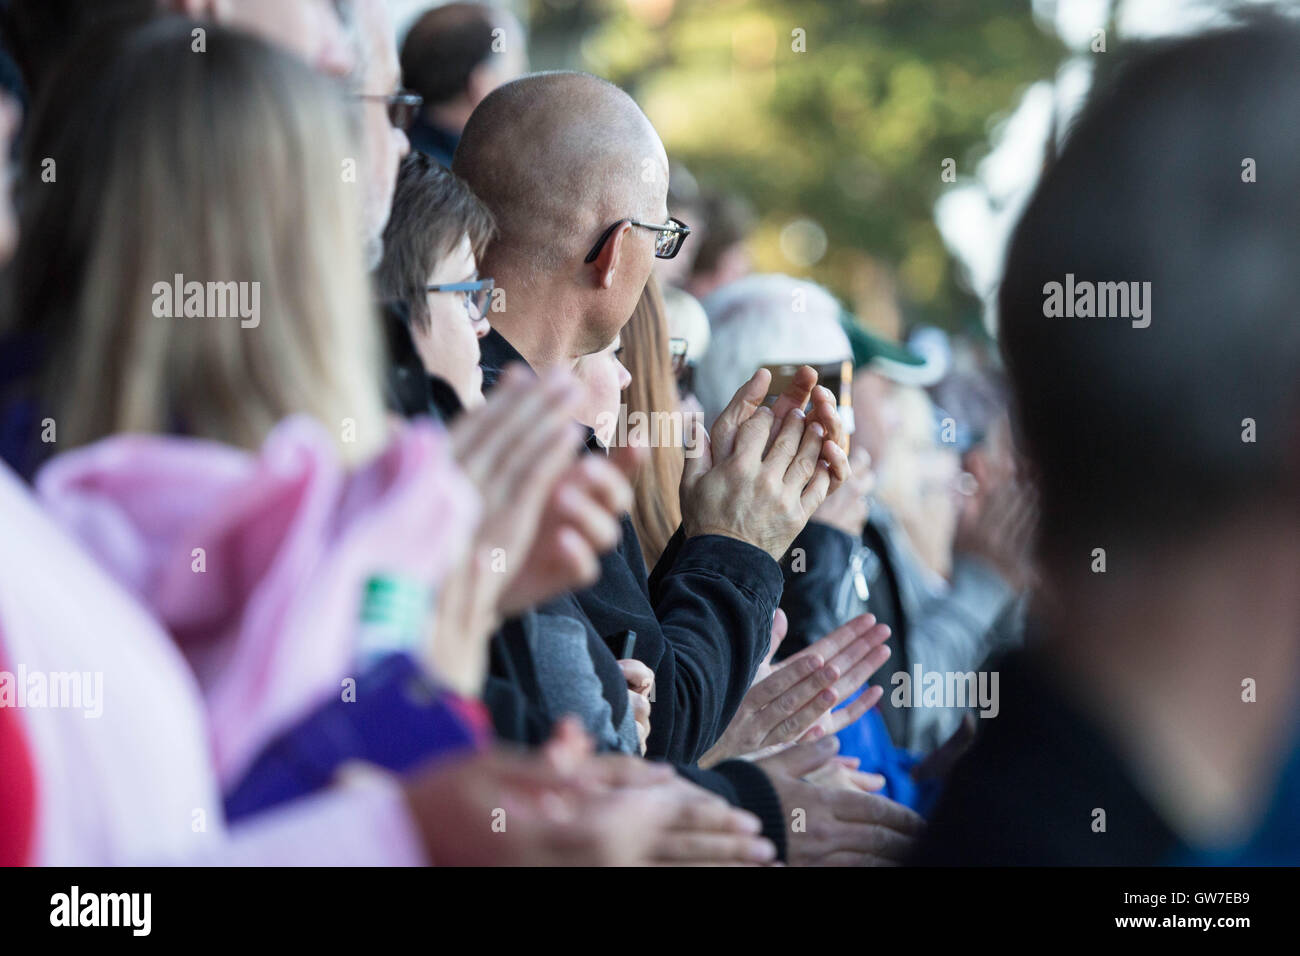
(657, 509)
(225, 165)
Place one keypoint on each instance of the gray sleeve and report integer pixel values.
(569, 684)
(952, 632)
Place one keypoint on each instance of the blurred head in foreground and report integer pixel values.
(1142, 434)
(40, 32)
(1148, 322)
(201, 269)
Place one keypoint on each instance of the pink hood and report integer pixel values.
(256, 564)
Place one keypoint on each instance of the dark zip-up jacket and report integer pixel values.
(703, 620)
(707, 661)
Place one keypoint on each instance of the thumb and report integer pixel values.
(747, 400)
(780, 627)
(699, 455)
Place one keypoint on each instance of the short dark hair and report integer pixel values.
(444, 47)
(1139, 434)
(432, 210)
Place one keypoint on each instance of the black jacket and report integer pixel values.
(1027, 793)
(821, 564)
(814, 571)
(703, 620)
(511, 693)
(719, 628)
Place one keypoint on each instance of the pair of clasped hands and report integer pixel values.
(549, 512)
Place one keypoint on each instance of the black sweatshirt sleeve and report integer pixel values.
(813, 569)
(714, 605)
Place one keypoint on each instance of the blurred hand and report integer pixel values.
(759, 478)
(640, 688)
(580, 523)
(705, 830)
(508, 808)
(841, 827)
(700, 829)
(513, 449)
(846, 508)
(796, 699)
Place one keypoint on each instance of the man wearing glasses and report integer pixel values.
(387, 112)
(577, 180)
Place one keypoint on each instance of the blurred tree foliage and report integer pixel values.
(851, 132)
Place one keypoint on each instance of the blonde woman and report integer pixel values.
(197, 280)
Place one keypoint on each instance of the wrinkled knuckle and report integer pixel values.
(802, 469)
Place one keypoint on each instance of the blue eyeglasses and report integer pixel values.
(476, 294)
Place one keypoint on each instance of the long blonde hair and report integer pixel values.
(227, 164)
(657, 509)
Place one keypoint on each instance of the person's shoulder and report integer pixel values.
(1041, 786)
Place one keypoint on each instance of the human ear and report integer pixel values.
(607, 262)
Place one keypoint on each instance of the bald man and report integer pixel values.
(572, 170)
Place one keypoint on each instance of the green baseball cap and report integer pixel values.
(881, 354)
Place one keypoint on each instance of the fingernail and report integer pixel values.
(762, 851)
(818, 430)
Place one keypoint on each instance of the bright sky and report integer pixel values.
(975, 217)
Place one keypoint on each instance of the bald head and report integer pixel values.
(558, 157)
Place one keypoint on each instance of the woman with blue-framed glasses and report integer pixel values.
(435, 236)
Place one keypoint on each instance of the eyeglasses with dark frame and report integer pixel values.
(403, 106)
(476, 294)
(668, 242)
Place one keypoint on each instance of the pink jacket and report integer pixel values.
(118, 736)
(256, 564)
